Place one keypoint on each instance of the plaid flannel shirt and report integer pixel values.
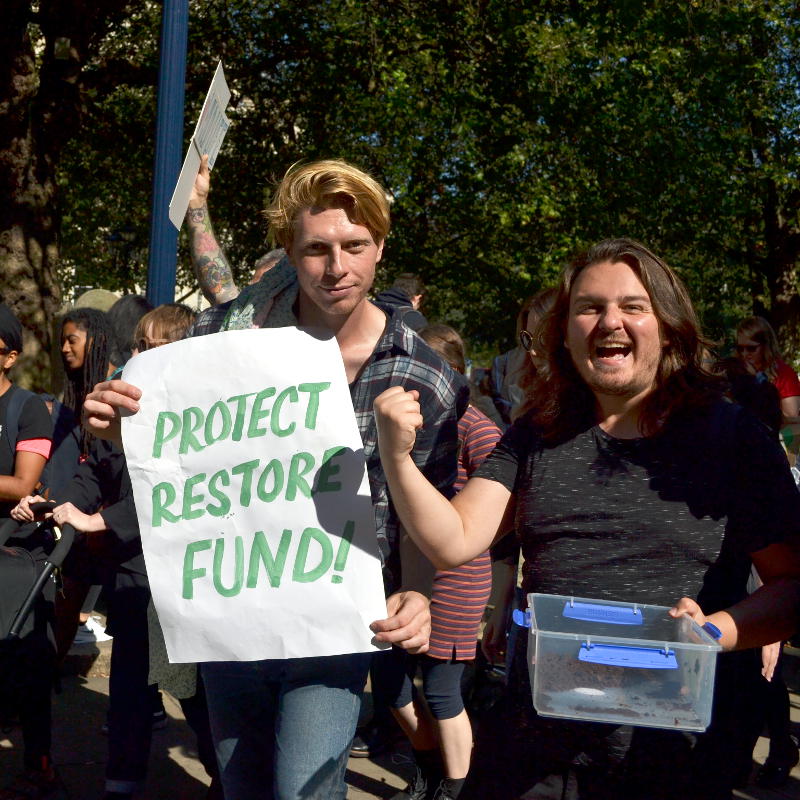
(401, 358)
(209, 320)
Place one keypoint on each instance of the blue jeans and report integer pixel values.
(282, 728)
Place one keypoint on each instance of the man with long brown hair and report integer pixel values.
(632, 480)
(664, 375)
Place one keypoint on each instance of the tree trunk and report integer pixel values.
(782, 246)
(42, 55)
(28, 245)
(785, 299)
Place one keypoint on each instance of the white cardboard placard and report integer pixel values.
(209, 133)
(252, 497)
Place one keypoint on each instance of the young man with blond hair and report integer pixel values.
(282, 728)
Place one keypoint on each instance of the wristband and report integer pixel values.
(712, 630)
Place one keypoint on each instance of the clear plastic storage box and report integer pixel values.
(619, 662)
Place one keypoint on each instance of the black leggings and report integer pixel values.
(441, 682)
(35, 666)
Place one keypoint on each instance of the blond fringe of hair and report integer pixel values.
(327, 184)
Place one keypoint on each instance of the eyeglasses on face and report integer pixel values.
(526, 340)
(149, 344)
(747, 348)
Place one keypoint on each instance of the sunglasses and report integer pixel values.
(747, 348)
(526, 340)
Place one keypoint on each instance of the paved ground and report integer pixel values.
(792, 788)
(79, 748)
(176, 774)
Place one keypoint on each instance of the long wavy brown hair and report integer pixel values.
(565, 405)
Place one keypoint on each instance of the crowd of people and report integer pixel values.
(624, 463)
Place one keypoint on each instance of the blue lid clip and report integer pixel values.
(626, 656)
(602, 612)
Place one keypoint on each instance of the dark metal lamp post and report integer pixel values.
(169, 145)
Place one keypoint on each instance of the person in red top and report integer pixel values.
(442, 739)
(757, 346)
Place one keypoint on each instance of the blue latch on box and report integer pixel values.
(626, 656)
(599, 612)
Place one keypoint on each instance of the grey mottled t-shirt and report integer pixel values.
(648, 520)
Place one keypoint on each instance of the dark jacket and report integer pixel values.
(102, 484)
(391, 299)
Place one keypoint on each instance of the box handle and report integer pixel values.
(626, 656)
(600, 612)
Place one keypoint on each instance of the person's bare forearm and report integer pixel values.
(14, 488)
(768, 615)
(448, 534)
(427, 515)
(417, 572)
(211, 267)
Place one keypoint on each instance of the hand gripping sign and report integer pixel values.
(252, 497)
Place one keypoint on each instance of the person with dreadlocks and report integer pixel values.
(85, 350)
(86, 345)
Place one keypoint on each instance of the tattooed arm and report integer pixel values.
(210, 264)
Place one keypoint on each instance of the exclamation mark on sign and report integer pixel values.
(344, 549)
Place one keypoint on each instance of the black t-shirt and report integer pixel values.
(34, 423)
(653, 519)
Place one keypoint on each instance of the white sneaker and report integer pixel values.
(98, 629)
(90, 632)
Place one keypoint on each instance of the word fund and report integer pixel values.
(223, 563)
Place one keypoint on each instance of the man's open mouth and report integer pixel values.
(613, 350)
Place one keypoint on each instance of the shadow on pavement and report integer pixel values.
(80, 749)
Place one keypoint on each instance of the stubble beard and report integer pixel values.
(615, 385)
